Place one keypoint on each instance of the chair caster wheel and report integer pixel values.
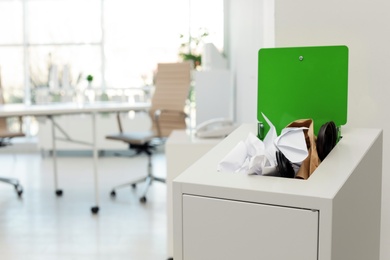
(134, 185)
(19, 190)
(113, 194)
(95, 210)
(142, 199)
(59, 193)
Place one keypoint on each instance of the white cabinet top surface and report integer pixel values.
(202, 178)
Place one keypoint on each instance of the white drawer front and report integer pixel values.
(216, 229)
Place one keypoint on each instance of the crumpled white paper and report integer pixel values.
(247, 156)
(254, 156)
(292, 144)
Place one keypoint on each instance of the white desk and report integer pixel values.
(52, 110)
(335, 214)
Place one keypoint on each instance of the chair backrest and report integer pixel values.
(4, 131)
(172, 85)
(3, 120)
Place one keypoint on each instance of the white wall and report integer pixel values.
(361, 25)
(245, 37)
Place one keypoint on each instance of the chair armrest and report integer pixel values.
(157, 114)
(20, 119)
(119, 122)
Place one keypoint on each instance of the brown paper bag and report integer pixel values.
(310, 164)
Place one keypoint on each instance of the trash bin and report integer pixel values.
(335, 214)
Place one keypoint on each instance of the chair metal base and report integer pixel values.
(148, 182)
(149, 179)
(15, 183)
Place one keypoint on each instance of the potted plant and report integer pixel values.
(191, 47)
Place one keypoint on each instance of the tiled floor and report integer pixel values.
(43, 226)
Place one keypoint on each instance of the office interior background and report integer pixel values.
(248, 26)
(52, 46)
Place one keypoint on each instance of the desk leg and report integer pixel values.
(95, 208)
(54, 151)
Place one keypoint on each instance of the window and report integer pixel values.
(119, 42)
(48, 45)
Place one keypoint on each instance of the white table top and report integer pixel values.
(69, 108)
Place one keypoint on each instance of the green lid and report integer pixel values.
(303, 82)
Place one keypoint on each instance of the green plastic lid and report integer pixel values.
(303, 82)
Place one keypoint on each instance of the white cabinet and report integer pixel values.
(334, 215)
(181, 150)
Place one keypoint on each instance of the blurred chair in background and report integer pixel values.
(172, 85)
(5, 139)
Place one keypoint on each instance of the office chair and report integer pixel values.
(5, 139)
(172, 86)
